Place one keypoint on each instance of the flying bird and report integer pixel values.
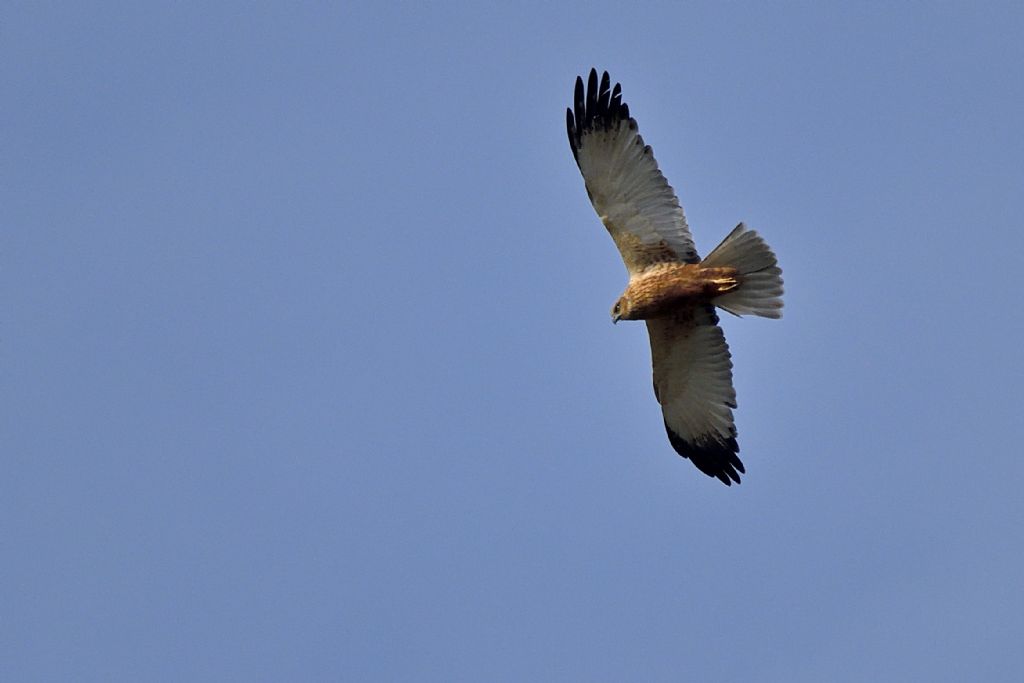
(670, 287)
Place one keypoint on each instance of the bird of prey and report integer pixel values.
(670, 287)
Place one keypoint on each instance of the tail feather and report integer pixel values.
(760, 290)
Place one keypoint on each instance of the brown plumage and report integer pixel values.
(670, 287)
(666, 288)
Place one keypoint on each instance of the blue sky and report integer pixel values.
(308, 372)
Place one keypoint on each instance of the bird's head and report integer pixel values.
(622, 310)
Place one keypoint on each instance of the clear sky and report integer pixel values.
(308, 372)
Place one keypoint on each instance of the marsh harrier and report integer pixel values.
(670, 287)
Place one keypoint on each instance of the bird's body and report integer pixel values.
(666, 288)
(670, 286)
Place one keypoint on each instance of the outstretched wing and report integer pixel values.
(693, 384)
(629, 193)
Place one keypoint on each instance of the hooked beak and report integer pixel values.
(615, 319)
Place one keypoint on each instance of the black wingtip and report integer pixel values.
(570, 127)
(598, 106)
(712, 457)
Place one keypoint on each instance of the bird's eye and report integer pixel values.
(616, 309)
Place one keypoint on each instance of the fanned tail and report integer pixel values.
(760, 290)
